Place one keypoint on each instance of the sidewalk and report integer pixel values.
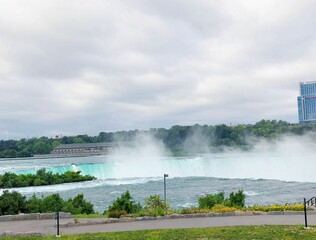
(49, 226)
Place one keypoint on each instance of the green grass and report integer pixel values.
(218, 233)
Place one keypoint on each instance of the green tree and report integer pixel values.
(125, 202)
(154, 206)
(41, 147)
(209, 200)
(236, 199)
(11, 203)
(53, 203)
(34, 205)
(82, 205)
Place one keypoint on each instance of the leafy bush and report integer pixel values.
(193, 210)
(11, 203)
(14, 202)
(220, 208)
(276, 207)
(81, 205)
(154, 206)
(125, 202)
(209, 200)
(42, 177)
(52, 203)
(234, 200)
(116, 214)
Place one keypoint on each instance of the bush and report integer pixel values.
(154, 206)
(220, 208)
(116, 214)
(236, 199)
(53, 203)
(276, 207)
(125, 202)
(11, 203)
(82, 205)
(14, 203)
(42, 177)
(34, 205)
(209, 200)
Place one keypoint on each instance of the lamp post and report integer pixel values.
(165, 189)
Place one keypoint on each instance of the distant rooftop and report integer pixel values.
(90, 145)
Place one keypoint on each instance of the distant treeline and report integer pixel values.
(178, 139)
(42, 177)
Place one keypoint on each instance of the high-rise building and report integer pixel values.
(307, 102)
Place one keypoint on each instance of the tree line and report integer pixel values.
(40, 178)
(14, 203)
(176, 139)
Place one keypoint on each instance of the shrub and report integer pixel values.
(125, 202)
(42, 177)
(209, 200)
(53, 203)
(34, 205)
(220, 208)
(11, 203)
(236, 199)
(193, 211)
(116, 213)
(276, 207)
(14, 202)
(82, 205)
(154, 206)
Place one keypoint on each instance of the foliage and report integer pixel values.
(154, 206)
(234, 200)
(276, 207)
(14, 203)
(11, 203)
(209, 200)
(215, 138)
(116, 213)
(125, 202)
(80, 205)
(220, 208)
(42, 177)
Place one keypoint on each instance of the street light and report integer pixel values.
(165, 190)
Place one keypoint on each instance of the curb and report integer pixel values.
(77, 221)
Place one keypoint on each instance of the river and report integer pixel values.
(265, 178)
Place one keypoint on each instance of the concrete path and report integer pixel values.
(49, 226)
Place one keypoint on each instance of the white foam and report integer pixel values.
(252, 193)
(81, 185)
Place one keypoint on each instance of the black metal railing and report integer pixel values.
(311, 201)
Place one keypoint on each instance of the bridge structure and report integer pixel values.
(85, 148)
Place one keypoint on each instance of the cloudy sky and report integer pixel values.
(75, 67)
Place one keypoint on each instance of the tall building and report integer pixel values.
(307, 102)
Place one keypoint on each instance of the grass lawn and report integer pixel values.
(218, 233)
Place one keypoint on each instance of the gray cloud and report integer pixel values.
(88, 66)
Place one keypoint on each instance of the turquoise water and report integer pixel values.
(266, 179)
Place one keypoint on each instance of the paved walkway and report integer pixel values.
(49, 226)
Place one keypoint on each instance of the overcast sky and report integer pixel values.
(75, 67)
